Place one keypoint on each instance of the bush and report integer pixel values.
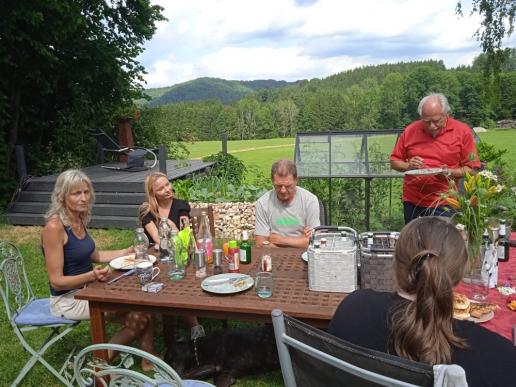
(227, 167)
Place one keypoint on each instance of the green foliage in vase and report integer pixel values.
(473, 206)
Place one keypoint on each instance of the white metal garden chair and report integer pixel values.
(27, 313)
(88, 368)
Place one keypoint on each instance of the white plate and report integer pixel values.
(225, 283)
(126, 262)
(424, 171)
(304, 256)
(483, 319)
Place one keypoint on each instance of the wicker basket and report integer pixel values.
(376, 260)
(332, 266)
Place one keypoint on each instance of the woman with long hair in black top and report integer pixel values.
(416, 322)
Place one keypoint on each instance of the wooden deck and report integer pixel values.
(118, 194)
(175, 170)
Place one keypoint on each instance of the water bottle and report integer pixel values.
(164, 231)
(140, 244)
(204, 237)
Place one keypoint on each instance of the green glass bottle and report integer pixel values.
(245, 249)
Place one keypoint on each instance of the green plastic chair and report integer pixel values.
(27, 313)
(89, 369)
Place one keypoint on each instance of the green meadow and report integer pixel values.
(262, 153)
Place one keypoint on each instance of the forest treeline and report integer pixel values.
(373, 97)
(210, 88)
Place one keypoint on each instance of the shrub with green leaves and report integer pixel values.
(228, 167)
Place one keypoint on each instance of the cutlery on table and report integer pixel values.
(220, 281)
(126, 274)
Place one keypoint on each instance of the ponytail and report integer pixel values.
(423, 330)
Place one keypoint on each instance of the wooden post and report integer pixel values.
(224, 138)
(21, 165)
(162, 157)
(125, 135)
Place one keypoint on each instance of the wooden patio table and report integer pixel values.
(185, 297)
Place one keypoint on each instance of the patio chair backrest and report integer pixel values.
(104, 140)
(310, 357)
(322, 213)
(15, 287)
(121, 373)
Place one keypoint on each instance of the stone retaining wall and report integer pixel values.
(232, 218)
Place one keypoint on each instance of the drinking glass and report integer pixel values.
(479, 284)
(263, 284)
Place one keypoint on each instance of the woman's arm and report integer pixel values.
(53, 239)
(152, 230)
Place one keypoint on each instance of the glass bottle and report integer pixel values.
(233, 257)
(140, 244)
(164, 231)
(204, 237)
(245, 249)
(266, 258)
(503, 242)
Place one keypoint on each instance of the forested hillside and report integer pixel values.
(209, 89)
(372, 97)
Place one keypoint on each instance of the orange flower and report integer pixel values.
(473, 201)
(453, 202)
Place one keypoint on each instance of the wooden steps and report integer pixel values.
(117, 194)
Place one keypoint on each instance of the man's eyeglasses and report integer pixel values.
(279, 187)
(435, 122)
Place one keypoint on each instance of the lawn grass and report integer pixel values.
(13, 357)
(502, 139)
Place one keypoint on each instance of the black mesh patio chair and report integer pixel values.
(138, 158)
(311, 357)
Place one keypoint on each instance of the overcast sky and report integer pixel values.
(291, 40)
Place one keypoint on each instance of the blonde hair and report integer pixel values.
(151, 205)
(65, 183)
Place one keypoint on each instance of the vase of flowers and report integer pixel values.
(473, 206)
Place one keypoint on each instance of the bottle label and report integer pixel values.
(208, 248)
(243, 256)
(233, 262)
(501, 252)
(266, 263)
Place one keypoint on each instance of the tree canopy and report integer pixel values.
(67, 65)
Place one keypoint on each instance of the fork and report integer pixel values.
(219, 281)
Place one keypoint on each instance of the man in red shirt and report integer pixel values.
(434, 141)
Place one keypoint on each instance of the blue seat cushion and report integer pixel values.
(38, 313)
(186, 383)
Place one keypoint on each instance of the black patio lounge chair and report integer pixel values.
(138, 158)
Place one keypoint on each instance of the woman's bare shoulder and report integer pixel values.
(53, 224)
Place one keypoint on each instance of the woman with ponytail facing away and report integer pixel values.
(416, 322)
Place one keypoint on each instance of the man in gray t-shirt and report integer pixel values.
(286, 215)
